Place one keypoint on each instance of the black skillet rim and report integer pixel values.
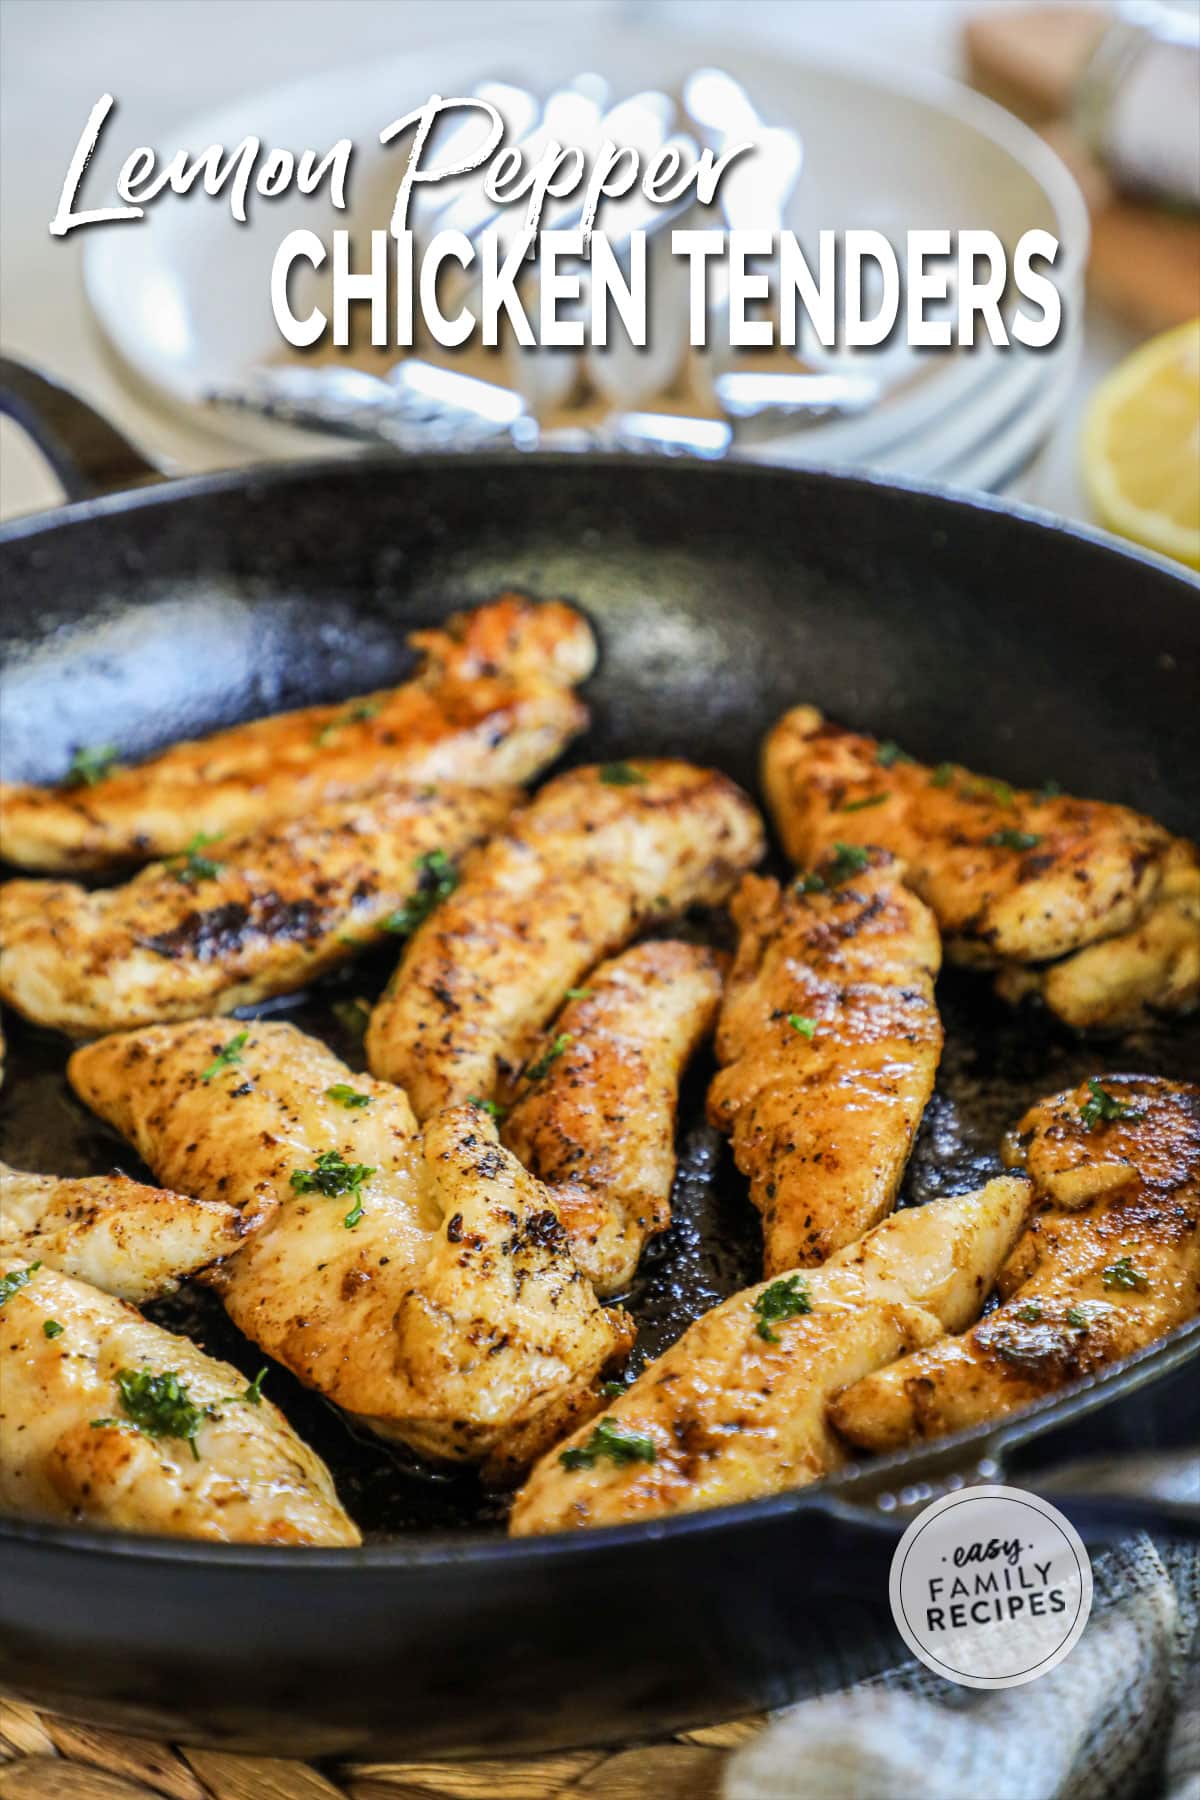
(960, 1457)
(158, 490)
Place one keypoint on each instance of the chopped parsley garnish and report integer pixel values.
(436, 879)
(1030, 1313)
(609, 1440)
(491, 1107)
(1049, 790)
(1105, 1108)
(90, 764)
(159, 1406)
(942, 776)
(804, 1026)
(784, 1299)
(226, 1058)
(332, 1176)
(13, 1283)
(1077, 1319)
(543, 1065)
(253, 1391)
(347, 1096)
(889, 753)
(1014, 840)
(1124, 1273)
(847, 860)
(868, 800)
(579, 993)
(351, 715)
(191, 867)
(51, 1328)
(622, 774)
(612, 1388)
(1001, 791)
(352, 1015)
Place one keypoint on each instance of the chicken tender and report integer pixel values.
(1014, 878)
(106, 1419)
(501, 1340)
(491, 706)
(596, 1115)
(598, 854)
(829, 1037)
(229, 924)
(1110, 1262)
(123, 1237)
(736, 1409)
(1153, 967)
(426, 1286)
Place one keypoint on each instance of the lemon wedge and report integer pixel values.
(1141, 446)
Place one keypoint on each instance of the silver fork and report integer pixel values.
(419, 406)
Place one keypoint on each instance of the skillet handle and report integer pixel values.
(1105, 1497)
(88, 455)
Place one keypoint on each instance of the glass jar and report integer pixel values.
(1137, 104)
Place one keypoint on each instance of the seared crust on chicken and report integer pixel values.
(426, 1286)
(1089, 873)
(1013, 877)
(1109, 1263)
(597, 1124)
(1152, 967)
(491, 706)
(596, 855)
(232, 923)
(830, 1038)
(736, 1409)
(123, 1237)
(70, 1450)
(501, 1342)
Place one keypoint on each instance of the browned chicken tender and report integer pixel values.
(595, 1117)
(736, 1409)
(106, 1419)
(1152, 967)
(238, 921)
(1015, 878)
(491, 706)
(598, 854)
(123, 1237)
(1110, 1262)
(425, 1284)
(830, 1038)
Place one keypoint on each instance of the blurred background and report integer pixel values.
(1099, 141)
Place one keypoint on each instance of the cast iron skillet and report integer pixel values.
(720, 597)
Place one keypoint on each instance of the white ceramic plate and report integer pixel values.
(999, 463)
(184, 296)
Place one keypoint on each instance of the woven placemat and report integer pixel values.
(47, 1758)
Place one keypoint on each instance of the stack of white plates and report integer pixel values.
(901, 154)
(184, 296)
